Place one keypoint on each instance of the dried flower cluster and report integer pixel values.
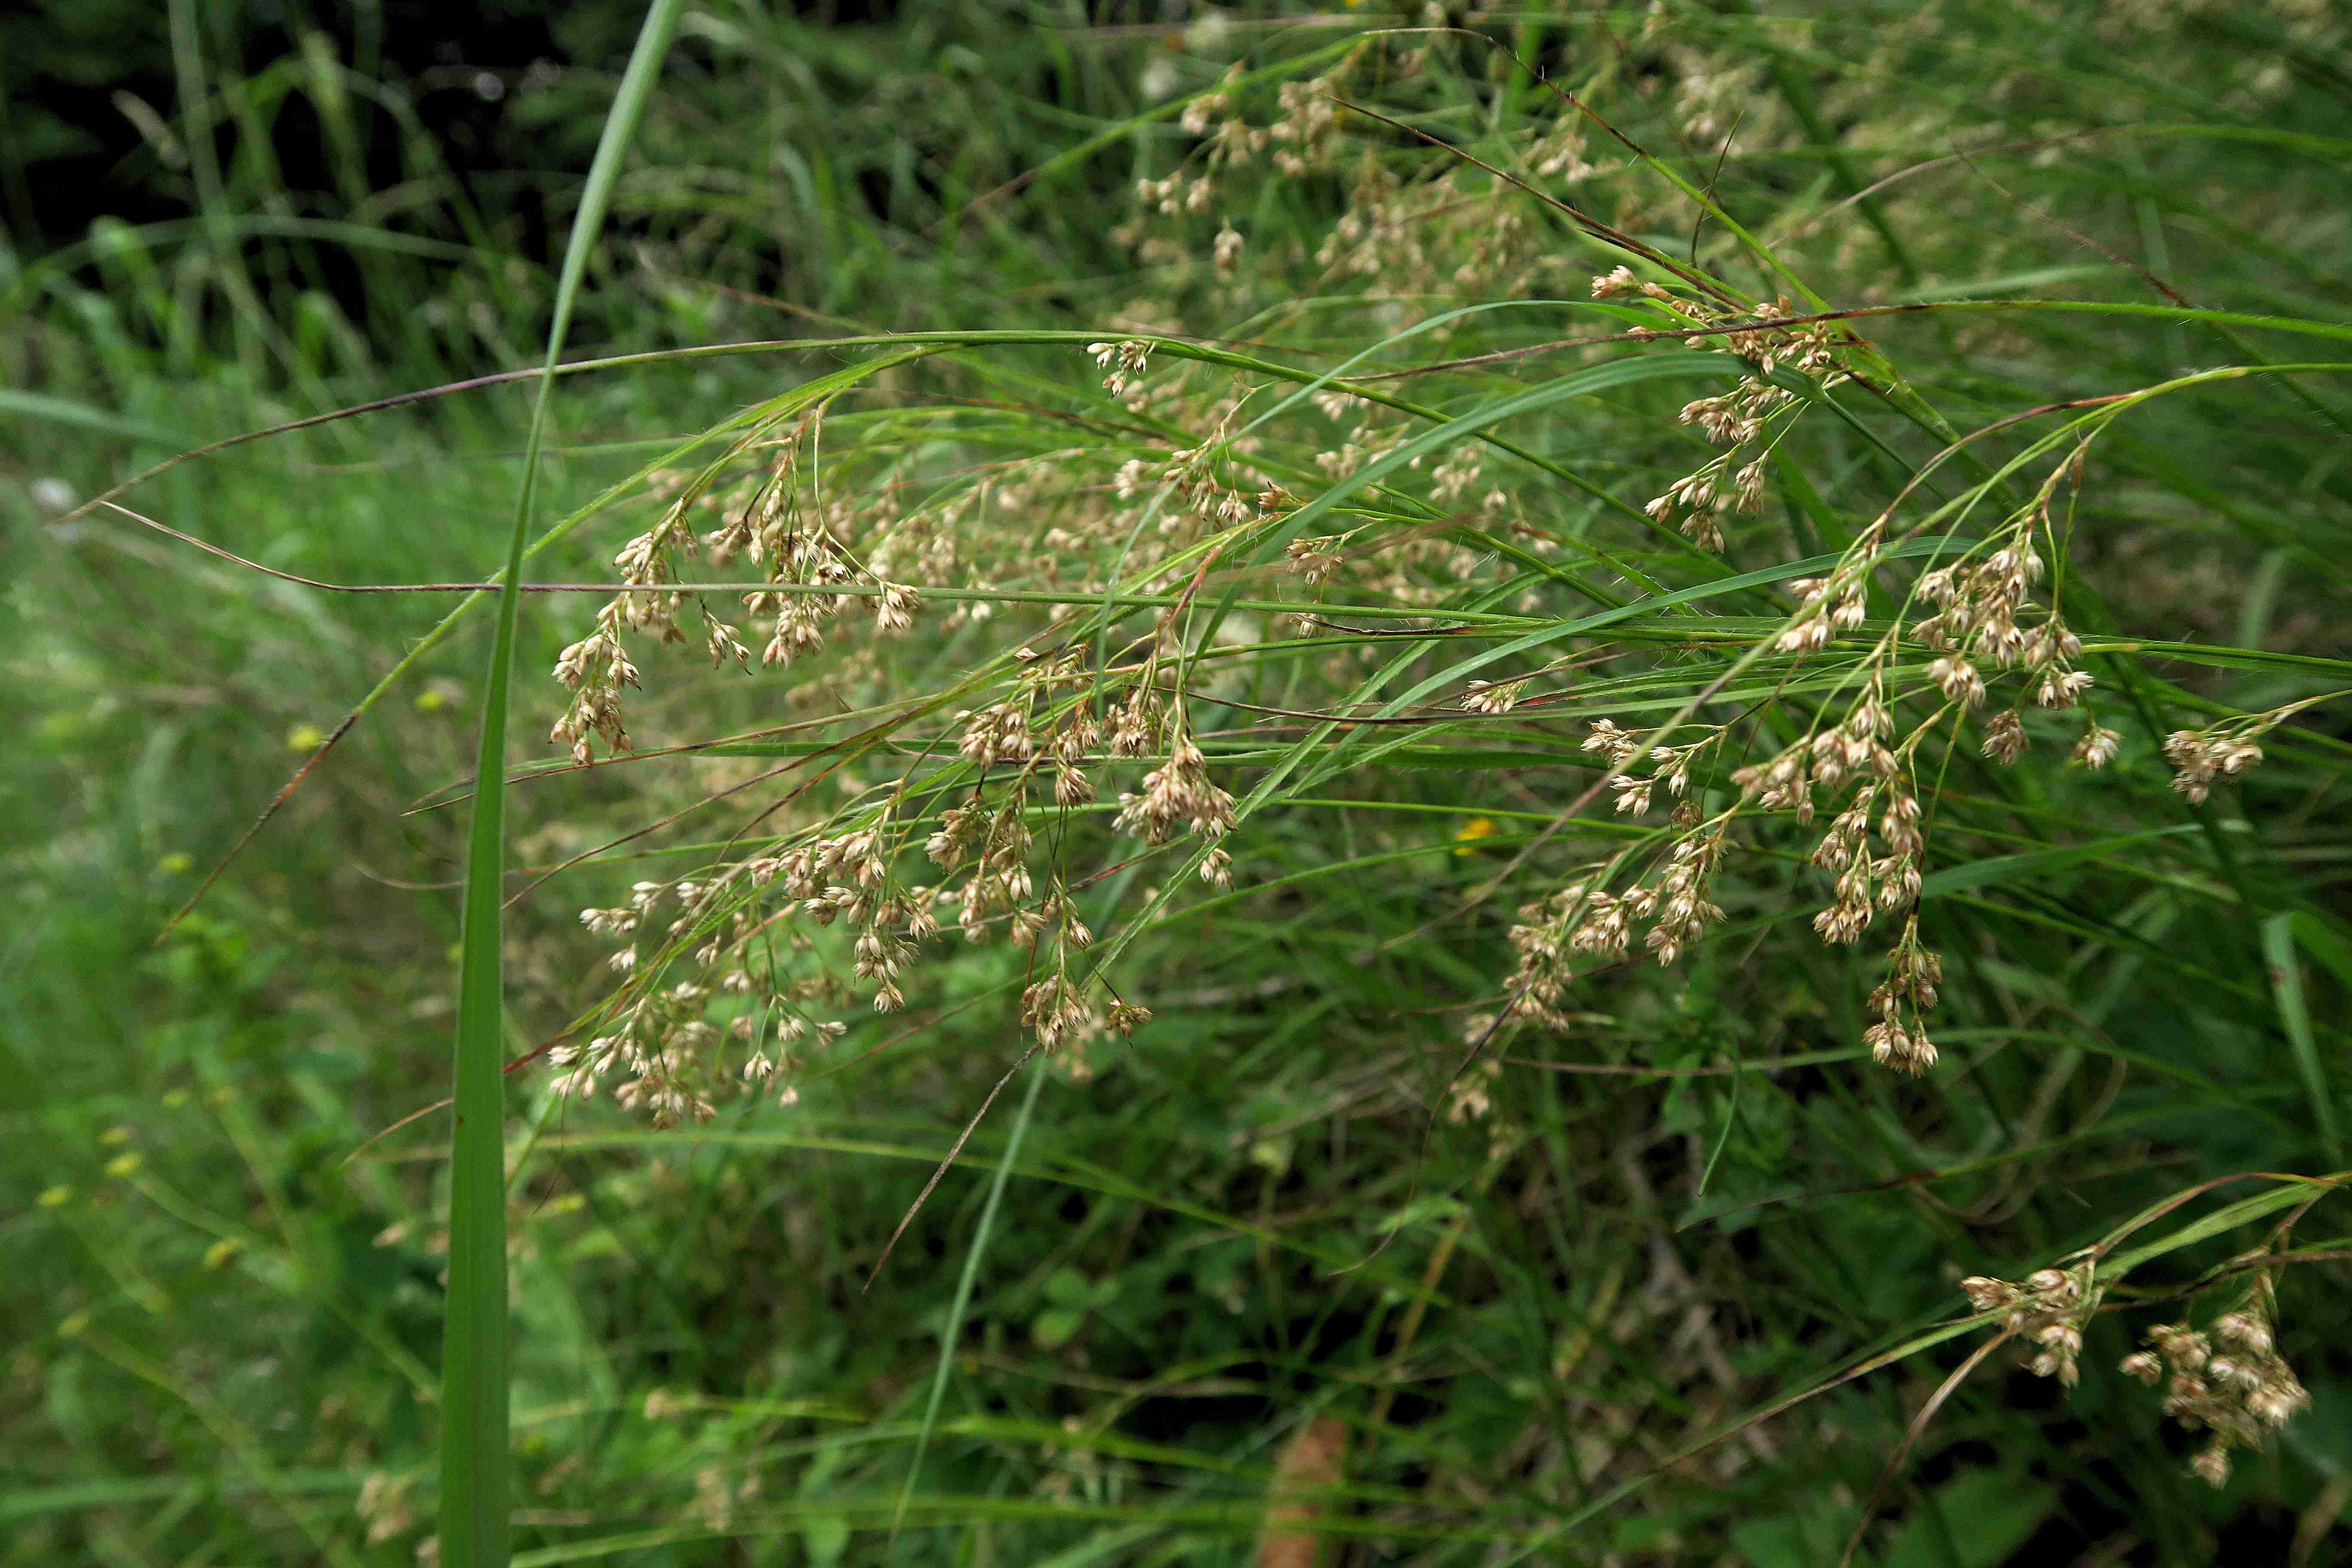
(1493, 699)
(768, 524)
(1751, 416)
(1587, 920)
(2229, 1380)
(1876, 844)
(2048, 1311)
(2224, 749)
(1061, 730)
(2199, 756)
(759, 952)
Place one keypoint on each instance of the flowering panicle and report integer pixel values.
(1231, 138)
(1123, 362)
(1177, 797)
(1978, 620)
(1064, 1007)
(667, 1034)
(1306, 135)
(2047, 1311)
(1175, 193)
(1545, 952)
(594, 669)
(1667, 766)
(1677, 905)
(1453, 477)
(1822, 726)
(1899, 1038)
(767, 524)
(1737, 418)
(1749, 418)
(1561, 154)
(1214, 486)
(1363, 444)
(2200, 756)
(1984, 621)
(1585, 918)
(2229, 1380)
(1493, 699)
(2098, 748)
(1225, 254)
(1693, 499)
(1314, 560)
(1828, 605)
(597, 666)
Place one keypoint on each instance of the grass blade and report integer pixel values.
(963, 1289)
(475, 1460)
(65, 411)
(2295, 1013)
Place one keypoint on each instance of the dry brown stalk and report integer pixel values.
(1311, 1462)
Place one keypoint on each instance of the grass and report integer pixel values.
(475, 1441)
(1675, 1279)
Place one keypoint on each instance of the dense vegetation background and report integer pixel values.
(1541, 1298)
